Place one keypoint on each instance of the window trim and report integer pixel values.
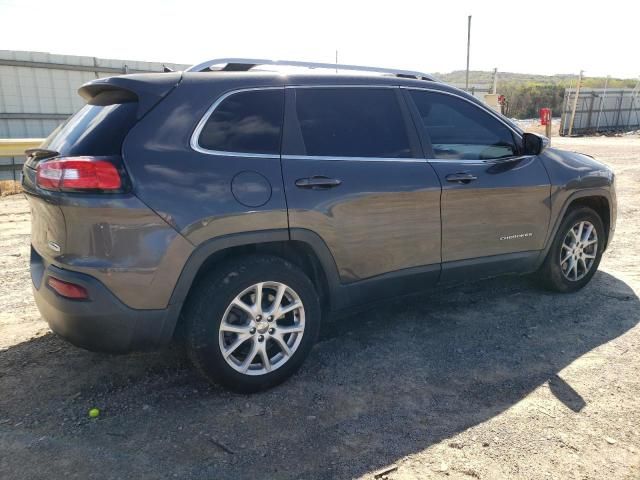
(195, 136)
(355, 159)
(517, 135)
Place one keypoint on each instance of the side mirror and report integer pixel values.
(534, 144)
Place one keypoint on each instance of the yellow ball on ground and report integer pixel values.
(94, 412)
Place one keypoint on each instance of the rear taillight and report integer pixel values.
(78, 173)
(68, 289)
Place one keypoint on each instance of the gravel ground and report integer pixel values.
(492, 380)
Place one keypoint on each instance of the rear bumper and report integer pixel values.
(101, 323)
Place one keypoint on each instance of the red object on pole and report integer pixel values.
(545, 116)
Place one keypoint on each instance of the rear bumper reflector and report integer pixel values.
(68, 289)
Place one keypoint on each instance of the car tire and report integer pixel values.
(567, 267)
(224, 325)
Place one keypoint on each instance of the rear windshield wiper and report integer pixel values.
(38, 153)
(35, 155)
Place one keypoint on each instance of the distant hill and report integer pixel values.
(526, 93)
(480, 77)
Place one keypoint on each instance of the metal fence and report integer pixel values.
(12, 156)
(600, 110)
(10, 168)
(478, 91)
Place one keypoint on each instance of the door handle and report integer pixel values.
(318, 182)
(461, 177)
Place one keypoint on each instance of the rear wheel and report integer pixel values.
(251, 323)
(575, 253)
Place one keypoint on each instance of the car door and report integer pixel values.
(495, 201)
(354, 175)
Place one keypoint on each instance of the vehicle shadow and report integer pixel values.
(380, 385)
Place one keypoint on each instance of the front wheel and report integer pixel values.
(251, 323)
(575, 253)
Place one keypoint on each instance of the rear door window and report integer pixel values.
(350, 122)
(246, 122)
(459, 130)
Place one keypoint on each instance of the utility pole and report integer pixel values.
(575, 103)
(563, 116)
(466, 83)
(495, 81)
(602, 100)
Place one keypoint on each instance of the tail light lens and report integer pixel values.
(67, 289)
(78, 173)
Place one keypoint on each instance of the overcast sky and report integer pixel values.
(543, 36)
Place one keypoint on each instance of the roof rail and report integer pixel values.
(246, 64)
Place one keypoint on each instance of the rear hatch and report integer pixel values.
(68, 169)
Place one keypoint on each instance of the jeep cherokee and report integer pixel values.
(240, 206)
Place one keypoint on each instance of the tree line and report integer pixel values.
(527, 94)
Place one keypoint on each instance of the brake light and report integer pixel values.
(78, 173)
(67, 289)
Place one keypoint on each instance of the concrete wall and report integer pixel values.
(38, 90)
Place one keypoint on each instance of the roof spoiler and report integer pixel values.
(146, 89)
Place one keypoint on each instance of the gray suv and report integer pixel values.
(241, 206)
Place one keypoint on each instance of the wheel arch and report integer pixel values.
(598, 203)
(598, 199)
(305, 249)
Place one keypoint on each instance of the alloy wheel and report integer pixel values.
(579, 250)
(262, 328)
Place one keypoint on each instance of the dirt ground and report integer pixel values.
(492, 380)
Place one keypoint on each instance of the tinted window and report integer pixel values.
(460, 130)
(351, 122)
(247, 122)
(94, 130)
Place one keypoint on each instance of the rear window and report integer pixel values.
(351, 122)
(94, 130)
(246, 122)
